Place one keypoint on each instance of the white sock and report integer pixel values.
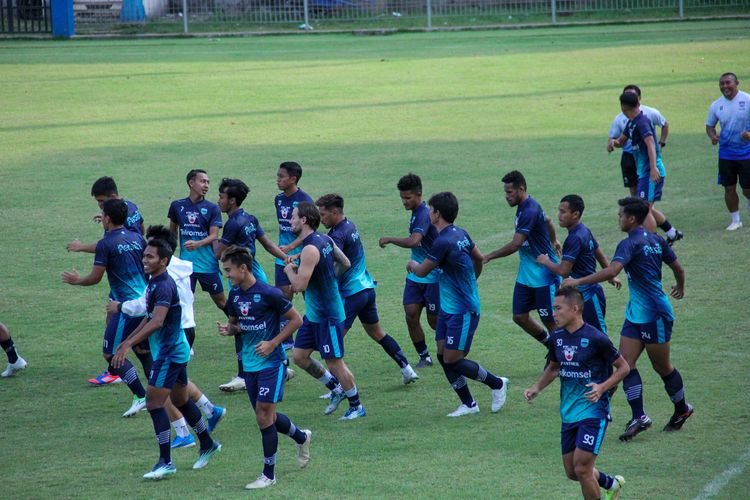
(735, 216)
(672, 232)
(206, 405)
(325, 378)
(180, 427)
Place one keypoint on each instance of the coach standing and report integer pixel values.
(732, 112)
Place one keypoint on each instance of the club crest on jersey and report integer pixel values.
(204, 211)
(244, 308)
(256, 297)
(569, 351)
(192, 217)
(284, 212)
(584, 342)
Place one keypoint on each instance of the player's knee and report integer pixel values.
(581, 470)
(571, 473)
(520, 319)
(300, 358)
(4, 333)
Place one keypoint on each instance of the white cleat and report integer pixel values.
(289, 374)
(138, 405)
(464, 410)
(234, 385)
(13, 368)
(734, 226)
(260, 483)
(499, 395)
(409, 375)
(327, 395)
(303, 450)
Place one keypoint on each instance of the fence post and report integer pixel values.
(63, 21)
(682, 8)
(184, 16)
(429, 14)
(554, 11)
(306, 13)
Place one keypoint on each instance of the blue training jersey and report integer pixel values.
(420, 223)
(579, 248)
(323, 303)
(284, 207)
(169, 341)
(734, 118)
(585, 356)
(357, 278)
(637, 130)
(242, 229)
(531, 222)
(458, 283)
(258, 310)
(194, 221)
(642, 254)
(134, 221)
(120, 252)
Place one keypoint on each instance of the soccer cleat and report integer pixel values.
(635, 427)
(464, 410)
(734, 226)
(336, 399)
(354, 412)
(614, 492)
(205, 455)
(327, 395)
(105, 378)
(219, 413)
(183, 442)
(499, 395)
(160, 471)
(289, 374)
(677, 237)
(303, 450)
(409, 375)
(424, 362)
(13, 368)
(260, 483)
(234, 385)
(676, 422)
(138, 405)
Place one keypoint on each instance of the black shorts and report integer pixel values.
(629, 172)
(730, 170)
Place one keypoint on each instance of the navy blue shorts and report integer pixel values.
(164, 374)
(210, 282)
(648, 190)
(586, 435)
(427, 294)
(457, 330)
(361, 305)
(280, 278)
(526, 298)
(327, 339)
(119, 328)
(595, 309)
(655, 332)
(266, 386)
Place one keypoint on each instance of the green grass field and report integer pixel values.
(460, 109)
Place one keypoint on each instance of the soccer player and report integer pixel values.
(648, 316)
(241, 229)
(419, 292)
(580, 253)
(168, 378)
(627, 160)
(198, 221)
(119, 254)
(323, 324)
(583, 358)
(460, 261)
(255, 311)
(180, 271)
(535, 235)
(732, 112)
(15, 362)
(356, 286)
(651, 172)
(287, 178)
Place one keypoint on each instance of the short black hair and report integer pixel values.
(635, 207)
(292, 168)
(162, 233)
(193, 173)
(632, 87)
(116, 210)
(163, 249)
(234, 188)
(575, 203)
(446, 203)
(329, 201)
(629, 100)
(410, 182)
(729, 74)
(515, 179)
(239, 256)
(104, 186)
(571, 294)
(310, 212)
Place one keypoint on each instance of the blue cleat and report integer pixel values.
(205, 455)
(352, 413)
(219, 413)
(183, 442)
(336, 398)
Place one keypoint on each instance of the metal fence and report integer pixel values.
(25, 16)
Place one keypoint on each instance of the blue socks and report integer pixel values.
(475, 371)
(676, 391)
(270, 444)
(10, 350)
(128, 374)
(391, 347)
(633, 387)
(285, 426)
(458, 382)
(194, 417)
(161, 429)
(353, 396)
(605, 480)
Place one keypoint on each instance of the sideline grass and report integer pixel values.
(460, 109)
